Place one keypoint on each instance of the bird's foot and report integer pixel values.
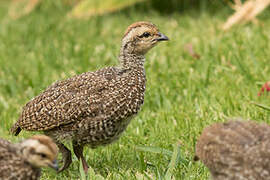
(78, 150)
(85, 166)
(66, 157)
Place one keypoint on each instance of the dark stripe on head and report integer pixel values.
(139, 24)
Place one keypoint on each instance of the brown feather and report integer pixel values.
(236, 150)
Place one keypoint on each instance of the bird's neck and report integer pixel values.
(20, 150)
(130, 60)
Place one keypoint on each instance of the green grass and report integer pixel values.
(183, 95)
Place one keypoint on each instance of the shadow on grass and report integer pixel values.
(178, 6)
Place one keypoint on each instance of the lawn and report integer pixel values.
(183, 94)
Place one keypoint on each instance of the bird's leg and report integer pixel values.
(66, 156)
(78, 150)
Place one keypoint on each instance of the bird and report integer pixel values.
(236, 149)
(24, 160)
(94, 108)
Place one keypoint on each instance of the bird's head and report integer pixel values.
(40, 151)
(141, 37)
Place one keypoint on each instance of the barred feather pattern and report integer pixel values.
(13, 166)
(236, 150)
(96, 105)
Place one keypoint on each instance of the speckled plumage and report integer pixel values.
(236, 150)
(94, 108)
(14, 163)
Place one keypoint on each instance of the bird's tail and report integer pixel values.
(15, 129)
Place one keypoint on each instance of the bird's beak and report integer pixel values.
(162, 37)
(54, 165)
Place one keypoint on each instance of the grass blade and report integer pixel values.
(156, 150)
(261, 106)
(174, 161)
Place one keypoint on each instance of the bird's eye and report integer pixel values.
(43, 155)
(145, 34)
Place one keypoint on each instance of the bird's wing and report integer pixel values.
(64, 102)
(3, 147)
(6, 152)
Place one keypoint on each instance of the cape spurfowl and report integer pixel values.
(236, 150)
(94, 108)
(23, 160)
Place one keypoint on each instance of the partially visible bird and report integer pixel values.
(236, 150)
(94, 108)
(23, 161)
